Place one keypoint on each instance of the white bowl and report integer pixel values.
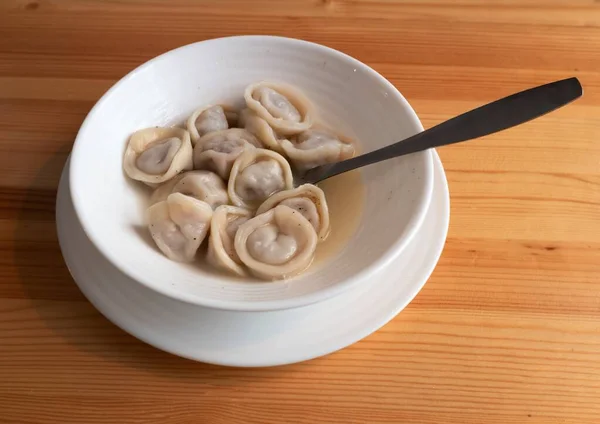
(164, 91)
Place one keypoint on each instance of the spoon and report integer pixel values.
(488, 119)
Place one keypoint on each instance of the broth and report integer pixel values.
(345, 194)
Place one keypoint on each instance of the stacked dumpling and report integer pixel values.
(227, 178)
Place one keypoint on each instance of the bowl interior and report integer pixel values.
(164, 91)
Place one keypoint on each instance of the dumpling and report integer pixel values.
(205, 120)
(307, 199)
(279, 243)
(223, 227)
(250, 121)
(202, 185)
(178, 225)
(257, 174)
(316, 147)
(218, 150)
(284, 108)
(155, 155)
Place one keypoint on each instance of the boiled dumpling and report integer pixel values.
(155, 155)
(206, 120)
(223, 227)
(218, 150)
(307, 199)
(284, 108)
(250, 121)
(202, 185)
(316, 147)
(257, 174)
(279, 243)
(178, 225)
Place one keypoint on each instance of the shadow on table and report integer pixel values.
(45, 277)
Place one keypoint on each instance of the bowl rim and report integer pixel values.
(383, 261)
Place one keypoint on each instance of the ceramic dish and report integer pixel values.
(348, 94)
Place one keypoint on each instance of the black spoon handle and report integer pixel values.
(488, 119)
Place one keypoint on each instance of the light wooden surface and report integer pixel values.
(507, 330)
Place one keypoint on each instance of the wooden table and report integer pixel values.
(507, 330)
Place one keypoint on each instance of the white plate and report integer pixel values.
(253, 339)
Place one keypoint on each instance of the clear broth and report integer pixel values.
(345, 194)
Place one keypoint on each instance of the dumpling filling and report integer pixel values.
(211, 120)
(218, 150)
(260, 180)
(267, 244)
(157, 158)
(277, 104)
(283, 107)
(206, 120)
(256, 175)
(155, 155)
(279, 243)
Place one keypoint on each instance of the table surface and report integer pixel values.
(507, 330)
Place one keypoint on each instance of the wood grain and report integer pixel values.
(507, 330)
